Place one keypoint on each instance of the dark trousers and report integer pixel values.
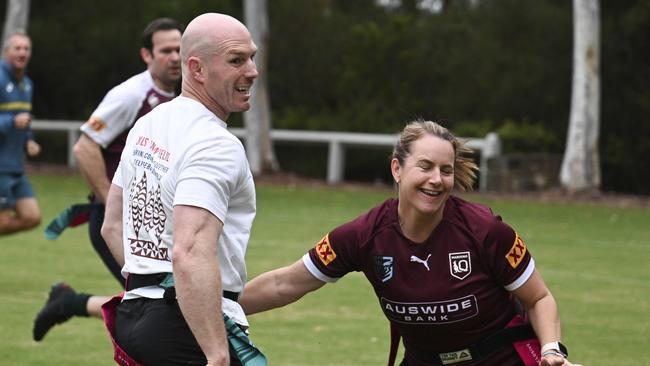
(95, 221)
(155, 333)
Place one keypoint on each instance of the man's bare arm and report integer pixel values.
(92, 166)
(198, 279)
(112, 227)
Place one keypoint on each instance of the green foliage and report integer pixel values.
(54, 147)
(473, 129)
(527, 137)
(516, 137)
(307, 160)
(593, 258)
(82, 49)
(356, 66)
(625, 96)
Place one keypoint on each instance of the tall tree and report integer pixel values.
(581, 164)
(257, 120)
(16, 17)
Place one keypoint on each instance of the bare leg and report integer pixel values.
(94, 305)
(26, 216)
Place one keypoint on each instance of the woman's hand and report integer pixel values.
(556, 360)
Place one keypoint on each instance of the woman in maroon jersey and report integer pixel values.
(457, 284)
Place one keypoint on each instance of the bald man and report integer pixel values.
(180, 210)
(18, 207)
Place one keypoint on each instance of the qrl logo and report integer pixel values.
(460, 265)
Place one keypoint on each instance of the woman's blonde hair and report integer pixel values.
(464, 167)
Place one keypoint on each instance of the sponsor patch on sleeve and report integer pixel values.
(324, 250)
(96, 124)
(517, 252)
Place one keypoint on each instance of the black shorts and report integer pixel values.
(155, 333)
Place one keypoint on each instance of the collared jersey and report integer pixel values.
(443, 294)
(111, 121)
(15, 97)
(180, 153)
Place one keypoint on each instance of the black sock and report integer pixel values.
(75, 304)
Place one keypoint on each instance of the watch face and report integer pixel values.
(563, 349)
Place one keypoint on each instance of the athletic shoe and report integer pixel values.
(54, 310)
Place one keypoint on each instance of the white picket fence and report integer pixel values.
(489, 146)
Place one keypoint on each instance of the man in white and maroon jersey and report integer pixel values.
(450, 276)
(98, 153)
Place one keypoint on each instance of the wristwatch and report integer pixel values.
(556, 346)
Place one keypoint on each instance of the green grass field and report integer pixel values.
(594, 259)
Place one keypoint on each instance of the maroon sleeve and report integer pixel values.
(508, 256)
(337, 253)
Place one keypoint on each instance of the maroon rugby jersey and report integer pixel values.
(110, 123)
(443, 294)
(113, 152)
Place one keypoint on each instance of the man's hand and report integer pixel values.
(33, 148)
(222, 360)
(22, 120)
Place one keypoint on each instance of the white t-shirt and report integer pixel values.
(180, 153)
(120, 106)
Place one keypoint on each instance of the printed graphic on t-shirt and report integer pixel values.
(460, 265)
(146, 214)
(434, 312)
(424, 262)
(384, 267)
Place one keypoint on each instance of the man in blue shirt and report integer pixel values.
(18, 207)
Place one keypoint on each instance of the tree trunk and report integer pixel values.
(257, 120)
(16, 18)
(581, 166)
